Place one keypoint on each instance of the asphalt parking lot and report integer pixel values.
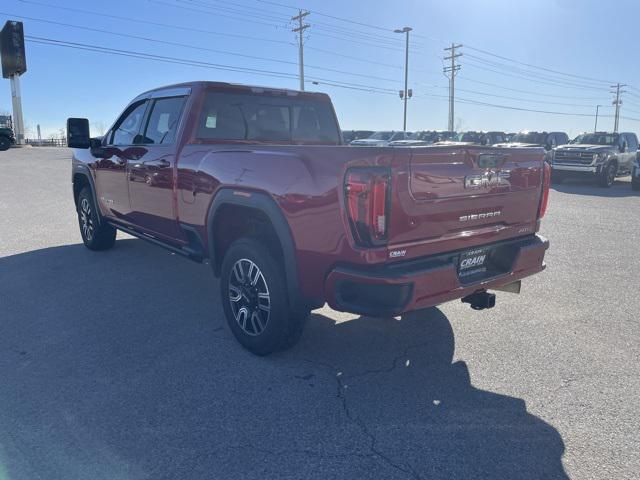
(119, 364)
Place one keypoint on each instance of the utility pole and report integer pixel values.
(595, 127)
(452, 71)
(617, 102)
(300, 31)
(406, 93)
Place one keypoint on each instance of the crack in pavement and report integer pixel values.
(341, 394)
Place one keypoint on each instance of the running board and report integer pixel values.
(187, 252)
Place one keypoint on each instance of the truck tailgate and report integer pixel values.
(461, 197)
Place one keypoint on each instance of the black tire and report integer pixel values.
(608, 175)
(255, 299)
(5, 143)
(96, 234)
(557, 177)
(635, 183)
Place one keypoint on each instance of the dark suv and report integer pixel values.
(7, 138)
(601, 155)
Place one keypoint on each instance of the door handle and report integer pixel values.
(164, 163)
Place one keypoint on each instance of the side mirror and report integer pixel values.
(97, 150)
(623, 148)
(78, 133)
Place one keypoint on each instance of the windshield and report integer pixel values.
(530, 137)
(597, 139)
(235, 116)
(424, 136)
(473, 137)
(381, 136)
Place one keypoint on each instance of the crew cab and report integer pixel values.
(600, 155)
(256, 182)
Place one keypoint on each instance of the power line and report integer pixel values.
(528, 92)
(148, 22)
(195, 63)
(523, 77)
(537, 66)
(529, 73)
(200, 48)
(524, 99)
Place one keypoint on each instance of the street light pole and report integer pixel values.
(595, 128)
(405, 95)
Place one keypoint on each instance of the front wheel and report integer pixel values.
(5, 143)
(96, 235)
(255, 300)
(608, 175)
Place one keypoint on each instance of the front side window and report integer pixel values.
(128, 126)
(232, 116)
(163, 121)
(631, 142)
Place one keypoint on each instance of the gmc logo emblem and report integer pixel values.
(487, 179)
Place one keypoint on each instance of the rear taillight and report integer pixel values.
(546, 184)
(367, 201)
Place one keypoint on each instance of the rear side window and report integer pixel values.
(230, 116)
(163, 121)
(632, 142)
(128, 125)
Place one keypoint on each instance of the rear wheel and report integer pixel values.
(608, 175)
(255, 300)
(96, 234)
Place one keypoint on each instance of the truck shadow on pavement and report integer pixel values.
(119, 365)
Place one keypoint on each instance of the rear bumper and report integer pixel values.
(404, 286)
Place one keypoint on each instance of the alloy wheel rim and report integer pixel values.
(249, 297)
(86, 221)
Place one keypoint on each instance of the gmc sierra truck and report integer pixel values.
(256, 182)
(602, 156)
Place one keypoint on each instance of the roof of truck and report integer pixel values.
(238, 86)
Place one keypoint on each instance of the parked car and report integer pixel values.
(7, 137)
(635, 173)
(259, 185)
(380, 139)
(350, 135)
(478, 138)
(600, 155)
(417, 138)
(445, 135)
(508, 137)
(546, 140)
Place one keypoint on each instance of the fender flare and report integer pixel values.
(267, 205)
(83, 170)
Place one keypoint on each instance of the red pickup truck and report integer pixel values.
(257, 182)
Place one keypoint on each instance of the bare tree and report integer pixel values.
(99, 128)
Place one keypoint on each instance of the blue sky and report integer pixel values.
(584, 38)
